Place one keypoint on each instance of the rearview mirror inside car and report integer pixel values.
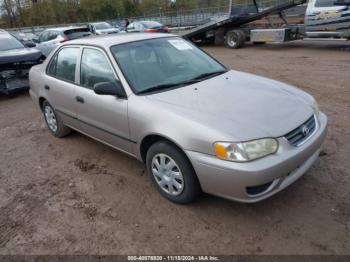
(108, 88)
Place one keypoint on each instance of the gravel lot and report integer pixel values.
(78, 196)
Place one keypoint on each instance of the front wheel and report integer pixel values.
(172, 173)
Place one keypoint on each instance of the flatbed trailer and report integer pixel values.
(243, 24)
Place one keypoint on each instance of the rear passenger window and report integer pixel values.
(63, 64)
(95, 68)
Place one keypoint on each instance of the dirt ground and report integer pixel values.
(78, 196)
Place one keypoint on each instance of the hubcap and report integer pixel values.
(232, 40)
(167, 174)
(50, 118)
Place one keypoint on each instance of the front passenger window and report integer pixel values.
(95, 68)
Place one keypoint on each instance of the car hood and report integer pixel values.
(19, 55)
(241, 105)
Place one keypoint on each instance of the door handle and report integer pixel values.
(79, 99)
(47, 87)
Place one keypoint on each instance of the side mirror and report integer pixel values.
(30, 44)
(108, 88)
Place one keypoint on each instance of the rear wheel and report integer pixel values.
(172, 173)
(54, 122)
(235, 39)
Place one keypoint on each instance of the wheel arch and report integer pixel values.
(150, 139)
(41, 102)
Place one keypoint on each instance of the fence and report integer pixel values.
(178, 18)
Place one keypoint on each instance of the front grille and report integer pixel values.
(301, 133)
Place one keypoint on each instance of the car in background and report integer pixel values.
(147, 26)
(15, 61)
(101, 28)
(25, 38)
(49, 39)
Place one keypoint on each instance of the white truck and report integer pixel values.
(322, 19)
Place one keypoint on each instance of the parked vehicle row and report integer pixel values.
(197, 125)
(51, 38)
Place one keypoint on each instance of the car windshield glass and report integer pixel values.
(101, 26)
(7, 42)
(164, 63)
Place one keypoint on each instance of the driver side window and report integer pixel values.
(95, 68)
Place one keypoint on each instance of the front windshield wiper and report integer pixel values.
(167, 86)
(210, 74)
(181, 84)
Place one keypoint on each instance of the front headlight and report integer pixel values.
(246, 151)
(316, 108)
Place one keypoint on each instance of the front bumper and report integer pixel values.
(15, 83)
(257, 180)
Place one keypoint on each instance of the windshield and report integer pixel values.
(163, 63)
(7, 42)
(101, 26)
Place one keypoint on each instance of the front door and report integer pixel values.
(104, 117)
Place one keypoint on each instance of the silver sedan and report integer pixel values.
(197, 125)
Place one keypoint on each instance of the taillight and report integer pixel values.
(65, 39)
(166, 29)
(151, 30)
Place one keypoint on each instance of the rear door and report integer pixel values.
(103, 117)
(60, 82)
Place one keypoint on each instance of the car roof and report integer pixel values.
(64, 28)
(107, 41)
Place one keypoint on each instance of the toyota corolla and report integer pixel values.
(198, 126)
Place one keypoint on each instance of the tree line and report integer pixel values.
(21, 13)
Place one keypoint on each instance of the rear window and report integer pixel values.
(8, 42)
(63, 64)
(77, 33)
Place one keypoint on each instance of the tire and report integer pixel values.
(235, 39)
(54, 122)
(180, 170)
